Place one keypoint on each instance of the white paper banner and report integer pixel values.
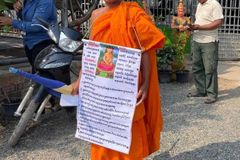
(107, 94)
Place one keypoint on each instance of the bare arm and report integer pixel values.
(93, 17)
(97, 13)
(75, 85)
(145, 67)
(211, 26)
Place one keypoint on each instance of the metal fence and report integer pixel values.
(229, 33)
(84, 28)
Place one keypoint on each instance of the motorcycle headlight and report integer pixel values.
(67, 44)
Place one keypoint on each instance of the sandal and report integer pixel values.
(196, 94)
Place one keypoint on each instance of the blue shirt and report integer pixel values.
(44, 9)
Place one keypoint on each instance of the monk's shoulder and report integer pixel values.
(97, 13)
(134, 8)
(135, 11)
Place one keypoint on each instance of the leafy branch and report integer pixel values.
(6, 5)
(181, 46)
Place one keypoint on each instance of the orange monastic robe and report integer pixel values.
(116, 27)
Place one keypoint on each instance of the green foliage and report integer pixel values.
(139, 2)
(168, 32)
(182, 47)
(178, 43)
(2, 7)
(6, 4)
(165, 57)
(6, 29)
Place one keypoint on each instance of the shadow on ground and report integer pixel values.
(228, 94)
(215, 151)
(179, 110)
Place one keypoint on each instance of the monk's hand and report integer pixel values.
(75, 88)
(145, 68)
(4, 20)
(142, 93)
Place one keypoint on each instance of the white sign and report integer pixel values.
(107, 94)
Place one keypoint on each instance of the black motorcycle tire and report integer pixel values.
(26, 117)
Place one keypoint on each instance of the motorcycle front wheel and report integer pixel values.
(27, 116)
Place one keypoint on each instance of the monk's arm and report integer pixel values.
(75, 84)
(96, 13)
(92, 18)
(145, 68)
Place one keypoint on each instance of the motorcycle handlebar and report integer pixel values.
(43, 22)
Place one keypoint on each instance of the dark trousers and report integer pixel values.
(32, 53)
(205, 61)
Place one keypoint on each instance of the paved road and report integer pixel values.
(199, 131)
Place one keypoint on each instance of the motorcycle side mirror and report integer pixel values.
(72, 34)
(54, 33)
(52, 30)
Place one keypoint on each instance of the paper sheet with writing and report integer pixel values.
(107, 94)
(68, 100)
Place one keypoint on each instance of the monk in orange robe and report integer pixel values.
(127, 24)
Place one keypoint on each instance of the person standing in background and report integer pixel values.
(35, 38)
(209, 17)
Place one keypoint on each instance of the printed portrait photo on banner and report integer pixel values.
(107, 61)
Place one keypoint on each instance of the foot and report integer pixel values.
(210, 100)
(196, 94)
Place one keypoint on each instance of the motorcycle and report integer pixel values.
(52, 62)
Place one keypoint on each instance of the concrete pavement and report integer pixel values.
(229, 71)
(192, 129)
(197, 131)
